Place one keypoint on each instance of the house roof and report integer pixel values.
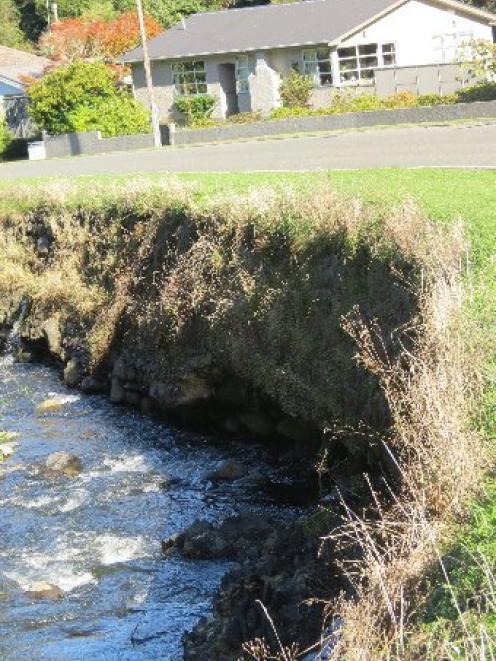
(17, 64)
(273, 26)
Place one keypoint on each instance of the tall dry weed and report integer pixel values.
(431, 390)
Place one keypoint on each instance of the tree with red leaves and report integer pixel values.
(82, 39)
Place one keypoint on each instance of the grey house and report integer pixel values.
(240, 55)
(15, 67)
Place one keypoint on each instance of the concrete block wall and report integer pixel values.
(75, 144)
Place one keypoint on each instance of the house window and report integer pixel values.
(388, 52)
(242, 74)
(357, 64)
(189, 78)
(317, 63)
(449, 47)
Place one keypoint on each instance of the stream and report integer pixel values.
(97, 536)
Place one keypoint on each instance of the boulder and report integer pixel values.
(147, 405)
(227, 471)
(186, 391)
(91, 385)
(296, 430)
(73, 373)
(231, 540)
(50, 330)
(171, 542)
(132, 397)
(117, 392)
(43, 246)
(44, 590)
(64, 463)
(119, 369)
(257, 424)
(192, 389)
(51, 405)
(232, 392)
(287, 569)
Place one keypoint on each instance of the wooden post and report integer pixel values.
(157, 140)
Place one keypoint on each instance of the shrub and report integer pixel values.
(16, 149)
(5, 137)
(195, 109)
(435, 99)
(347, 101)
(295, 90)
(479, 92)
(119, 115)
(245, 118)
(286, 113)
(82, 96)
(405, 99)
(480, 59)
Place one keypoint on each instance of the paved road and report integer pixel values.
(472, 145)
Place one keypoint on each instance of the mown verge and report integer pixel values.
(275, 291)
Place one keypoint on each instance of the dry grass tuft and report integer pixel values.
(431, 391)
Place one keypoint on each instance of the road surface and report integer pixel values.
(463, 145)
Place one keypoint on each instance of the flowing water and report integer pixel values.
(97, 536)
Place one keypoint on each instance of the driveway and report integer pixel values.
(468, 145)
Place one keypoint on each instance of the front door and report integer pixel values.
(227, 80)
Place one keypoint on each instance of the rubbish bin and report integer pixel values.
(36, 151)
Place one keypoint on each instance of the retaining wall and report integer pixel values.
(74, 144)
(444, 113)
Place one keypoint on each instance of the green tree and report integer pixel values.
(85, 96)
(10, 25)
(489, 5)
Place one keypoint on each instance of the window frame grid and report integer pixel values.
(379, 55)
(242, 83)
(316, 73)
(180, 70)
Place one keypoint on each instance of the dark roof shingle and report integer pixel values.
(261, 27)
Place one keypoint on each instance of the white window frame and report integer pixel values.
(380, 54)
(242, 74)
(311, 65)
(194, 69)
(390, 53)
(441, 51)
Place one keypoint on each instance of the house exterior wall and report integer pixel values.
(411, 27)
(164, 86)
